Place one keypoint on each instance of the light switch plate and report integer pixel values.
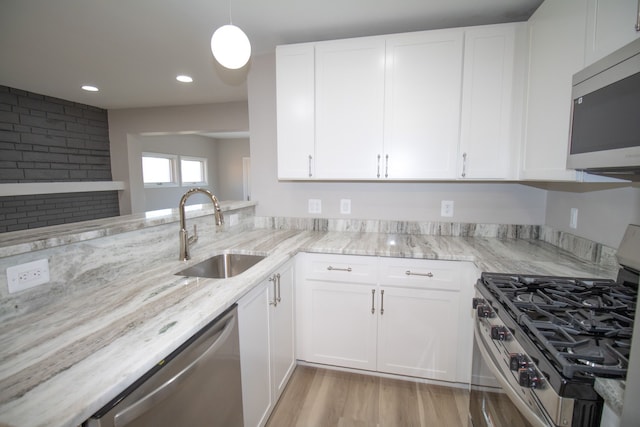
(573, 219)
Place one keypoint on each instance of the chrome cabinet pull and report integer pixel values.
(275, 301)
(382, 302)
(464, 165)
(410, 273)
(386, 166)
(310, 158)
(373, 301)
(278, 280)
(378, 175)
(330, 268)
(638, 17)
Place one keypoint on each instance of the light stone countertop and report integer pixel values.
(63, 363)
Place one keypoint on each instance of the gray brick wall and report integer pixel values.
(22, 212)
(45, 139)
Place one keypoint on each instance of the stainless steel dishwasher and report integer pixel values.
(196, 385)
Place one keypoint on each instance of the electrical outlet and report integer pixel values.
(28, 275)
(233, 220)
(573, 219)
(345, 206)
(446, 208)
(315, 206)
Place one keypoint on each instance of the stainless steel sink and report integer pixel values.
(222, 266)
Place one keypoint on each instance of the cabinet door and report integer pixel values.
(349, 108)
(417, 333)
(281, 329)
(422, 105)
(556, 52)
(487, 91)
(339, 324)
(296, 110)
(253, 324)
(610, 25)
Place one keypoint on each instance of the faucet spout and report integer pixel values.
(185, 239)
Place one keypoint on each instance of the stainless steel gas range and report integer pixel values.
(542, 341)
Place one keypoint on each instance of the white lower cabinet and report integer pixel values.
(399, 316)
(267, 349)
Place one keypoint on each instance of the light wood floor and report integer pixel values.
(324, 398)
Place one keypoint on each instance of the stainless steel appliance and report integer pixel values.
(605, 125)
(197, 385)
(541, 341)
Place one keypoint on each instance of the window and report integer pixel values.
(159, 170)
(193, 170)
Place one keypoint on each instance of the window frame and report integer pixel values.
(173, 162)
(205, 171)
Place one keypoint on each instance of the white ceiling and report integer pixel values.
(133, 49)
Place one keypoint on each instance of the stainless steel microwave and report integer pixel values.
(605, 116)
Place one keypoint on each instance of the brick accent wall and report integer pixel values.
(45, 139)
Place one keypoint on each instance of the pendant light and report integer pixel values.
(230, 46)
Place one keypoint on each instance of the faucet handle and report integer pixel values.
(194, 238)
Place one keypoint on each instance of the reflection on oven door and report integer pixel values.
(488, 405)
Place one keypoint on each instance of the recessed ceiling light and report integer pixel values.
(90, 88)
(184, 79)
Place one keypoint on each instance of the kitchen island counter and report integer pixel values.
(61, 363)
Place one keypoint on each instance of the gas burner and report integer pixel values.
(596, 355)
(530, 297)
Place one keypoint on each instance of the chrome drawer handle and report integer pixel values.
(330, 268)
(382, 302)
(373, 301)
(410, 273)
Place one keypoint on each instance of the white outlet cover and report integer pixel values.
(27, 275)
(446, 208)
(315, 206)
(345, 206)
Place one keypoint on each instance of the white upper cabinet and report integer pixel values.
(556, 52)
(487, 142)
(295, 82)
(611, 24)
(349, 108)
(390, 107)
(422, 105)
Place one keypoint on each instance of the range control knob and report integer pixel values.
(529, 377)
(476, 302)
(500, 332)
(518, 361)
(484, 310)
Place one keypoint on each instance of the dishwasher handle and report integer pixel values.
(133, 411)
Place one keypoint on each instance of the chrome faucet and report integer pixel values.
(185, 239)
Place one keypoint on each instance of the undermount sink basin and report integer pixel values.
(222, 266)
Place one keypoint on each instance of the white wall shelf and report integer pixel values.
(28, 188)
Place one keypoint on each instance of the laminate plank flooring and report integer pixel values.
(325, 398)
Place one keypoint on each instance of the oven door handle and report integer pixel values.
(522, 406)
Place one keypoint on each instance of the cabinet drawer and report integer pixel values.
(340, 268)
(423, 274)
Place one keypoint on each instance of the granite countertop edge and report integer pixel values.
(162, 310)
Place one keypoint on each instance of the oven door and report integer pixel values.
(494, 401)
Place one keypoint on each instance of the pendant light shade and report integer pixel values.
(230, 46)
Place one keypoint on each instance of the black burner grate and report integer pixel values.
(583, 325)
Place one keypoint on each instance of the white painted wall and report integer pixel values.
(474, 202)
(126, 125)
(228, 167)
(603, 214)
